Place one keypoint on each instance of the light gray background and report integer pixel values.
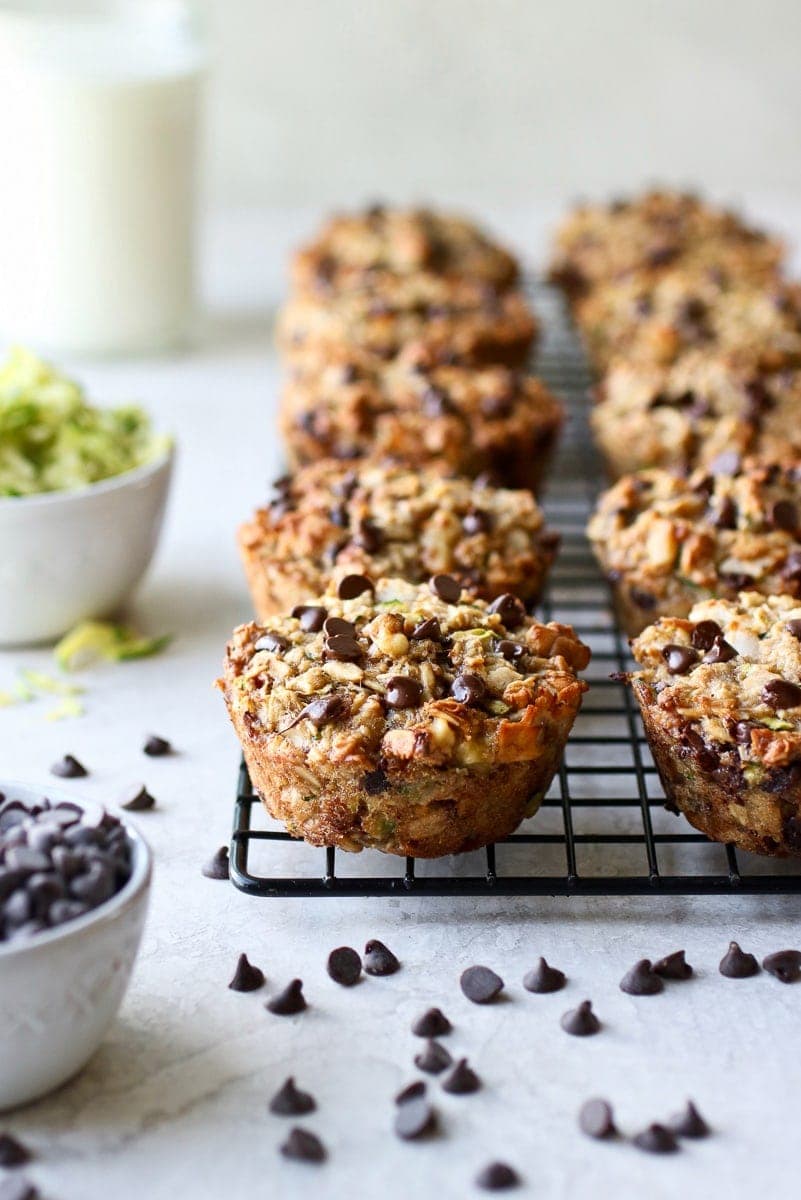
(500, 101)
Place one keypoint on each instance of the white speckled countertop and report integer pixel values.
(175, 1102)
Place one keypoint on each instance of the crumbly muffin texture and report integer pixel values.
(667, 542)
(720, 695)
(699, 411)
(421, 411)
(646, 320)
(403, 717)
(470, 320)
(602, 242)
(330, 520)
(402, 242)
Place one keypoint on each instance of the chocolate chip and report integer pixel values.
(462, 1080)
(737, 581)
(68, 767)
(368, 537)
(270, 640)
(218, 866)
(737, 963)
(689, 1123)
(656, 1139)
(338, 627)
(642, 599)
(673, 966)
(784, 515)
(288, 1002)
(310, 617)
(379, 959)
(446, 588)
(704, 634)
(375, 782)
(94, 885)
(497, 1177)
(781, 694)
(247, 978)
(431, 1024)
(137, 799)
(436, 403)
(468, 688)
(641, 980)
(510, 609)
(720, 652)
(353, 585)
(338, 516)
(290, 1101)
(414, 1118)
(157, 747)
(344, 966)
(403, 692)
(791, 570)
(345, 649)
(12, 1151)
(303, 1146)
(434, 1059)
(476, 521)
(480, 984)
(325, 710)
(581, 1021)
(596, 1119)
(412, 1091)
(679, 659)
(727, 514)
(794, 627)
(18, 1188)
(428, 630)
(544, 979)
(510, 650)
(784, 965)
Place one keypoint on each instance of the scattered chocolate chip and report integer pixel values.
(544, 978)
(342, 648)
(290, 1101)
(784, 515)
(780, 693)
(689, 1123)
(353, 585)
(270, 640)
(403, 692)
(497, 1177)
(68, 767)
(218, 866)
(737, 581)
(784, 965)
(432, 1024)
(338, 627)
(368, 537)
(679, 659)
(461, 1080)
(704, 635)
(720, 652)
(480, 984)
(375, 782)
(428, 629)
(434, 1059)
(737, 963)
(415, 1118)
(511, 651)
(326, 709)
(446, 588)
(310, 617)
(596, 1119)
(581, 1021)
(303, 1146)
(18, 1188)
(157, 747)
(468, 688)
(656, 1139)
(379, 959)
(288, 1002)
(510, 609)
(794, 628)
(339, 516)
(12, 1151)
(412, 1091)
(247, 978)
(641, 980)
(344, 966)
(476, 521)
(642, 599)
(436, 403)
(727, 514)
(673, 966)
(137, 799)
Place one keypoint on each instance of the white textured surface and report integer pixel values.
(175, 1103)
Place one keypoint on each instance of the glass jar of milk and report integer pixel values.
(98, 130)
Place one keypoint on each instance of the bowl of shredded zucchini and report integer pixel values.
(83, 490)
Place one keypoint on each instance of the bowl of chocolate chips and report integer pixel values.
(74, 884)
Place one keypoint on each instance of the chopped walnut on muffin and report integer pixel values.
(720, 696)
(408, 718)
(352, 246)
(468, 319)
(422, 411)
(666, 542)
(331, 519)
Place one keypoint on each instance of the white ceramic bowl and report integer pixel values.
(61, 989)
(69, 556)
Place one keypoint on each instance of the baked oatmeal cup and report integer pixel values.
(405, 718)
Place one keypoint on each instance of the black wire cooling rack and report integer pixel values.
(603, 828)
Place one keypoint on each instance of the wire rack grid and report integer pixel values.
(603, 828)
